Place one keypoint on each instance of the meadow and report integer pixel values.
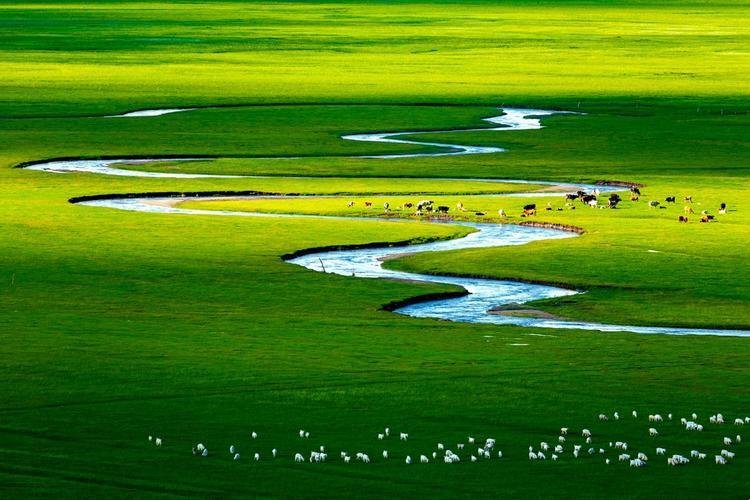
(118, 325)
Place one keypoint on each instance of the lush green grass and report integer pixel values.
(67, 57)
(119, 325)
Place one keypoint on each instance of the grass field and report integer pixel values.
(118, 325)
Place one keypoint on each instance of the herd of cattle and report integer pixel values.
(590, 199)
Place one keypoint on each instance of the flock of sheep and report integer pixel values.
(474, 450)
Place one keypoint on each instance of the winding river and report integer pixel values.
(482, 294)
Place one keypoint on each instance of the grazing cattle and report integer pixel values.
(688, 209)
(387, 206)
(350, 204)
(548, 207)
(670, 199)
(407, 205)
(530, 206)
(368, 204)
(688, 199)
(653, 204)
(587, 198)
(442, 209)
(480, 214)
(614, 199)
(571, 197)
(705, 218)
(460, 207)
(682, 218)
(593, 203)
(502, 213)
(634, 197)
(635, 190)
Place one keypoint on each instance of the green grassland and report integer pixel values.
(117, 325)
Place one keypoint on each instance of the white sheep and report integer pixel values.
(299, 458)
(694, 453)
(473, 458)
(460, 446)
(232, 449)
(236, 456)
(499, 454)
(642, 456)
(205, 452)
(408, 459)
(561, 439)
(544, 446)
(307, 435)
(727, 441)
(365, 458)
(564, 431)
(254, 435)
(256, 456)
(532, 455)
(653, 432)
(381, 436)
(738, 438)
(586, 433)
(387, 431)
(301, 433)
(635, 414)
(616, 415)
(347, 459)
(157, 441)
(558, 449)
(727, 453)
(385, 454)
(423, 459)
(623, 457)
(403, 436)
(554, 457)
(274, 452)
(720, 460)
(603, 417)
(200, 447)
(606, 461)
(150, 438)
(471, 440)
(739, 421)
(440, 446)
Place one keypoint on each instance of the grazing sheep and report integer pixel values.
(307, 435)
(558, 448)
(274, 452)
(532, 455)
(205, 452)
(350, 204)
(694, 453)
(739, 421)
(653, 204)
(720, 460)
(150, 438)
(232, 449)
(586, 433)
(385, 454)
(727, 441)
(738, 438)
(695, 416)
(408, 460)
(637, 463)
(616, 415)
(541, 456)
(200, 447)
(157, 441)
(381, 436)
(561, 439)
(254, 435)
(365, 458)
(256, 457)
(236, 456)
(460, 446)
(603, 417)
(299, 458)
(347, 459)
(301, 433)
(544, 446)
(642, 456)
(499, 454)
(606, 461)
(635, 414)
(403, 436)
(661, 451)
(423, 459)
(440, 446)
(653, 432)
(623, 457)
(564, 431)
(727, 454)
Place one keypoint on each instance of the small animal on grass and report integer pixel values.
(502, 213)
(688, 199)
(529, 209)
(548, 207)
(614, 199)
(635, 190)
(408, 205)
(683, 218)
(723, 208)
(350, 204)
(688, 209)
(442, 209)
(571, 196)
(460, 207)
(634, 197)
(669, 199)
(480, 214)
(653, 204)
(368, 204)
(387, 206)
(706, 218)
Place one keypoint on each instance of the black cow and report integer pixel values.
(442, 209)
